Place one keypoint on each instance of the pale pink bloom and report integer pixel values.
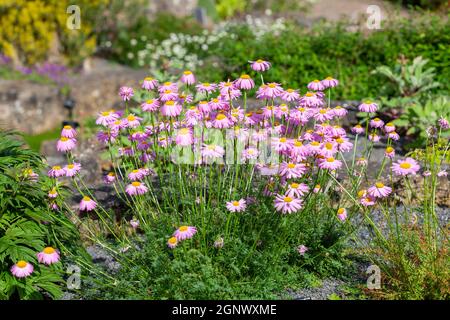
(54, 207)
(328, 149)
(269, 91)
(221, 121)
(168, 86)
(163, 141)
(330, 163)
(87, 204)
(110, 178)
(72, 169)
(311, 100)
(184, 137)
(379, 190)
(376, 123)
(136, 188)
(389, 127)
(132, 121)
(299, 150)
(171, 109)
(323, 115)
(343, 144)
(168, 95)
(188, 78)
(149, 83)
(218, 104)
(228, 89)
(118, 125)
(329, 82)
(368, 201)
(139, 136)
(56, 171)
(389, 153)
(282, 144)
(442, 173)
(126, 93)
(30, 175)
(302, 249)
(339, 111)
(136, 174)
(292, 170)
(206, 87)
(427, 173)
(316, 85)
(405, 167)
(244, 82)
(172, 242)
(281, 111)
(134, 223)
(106, 117)
(260, 65)
(66, 144)
(290, 95)
(68, 132)
(250, 153)
(185, 232)
(358, 129)
(236, 206)
(315, 148)
(22, 269)
(48, 256)
(212, 151)
(443, 123)
(185, 98)
(317, 188)
(150, 105)
(287, 204)
(393, 135)
(362, 161)
(368, 106)
(342, 214)
(52, 193)
(296, 190)
(374, 137)
(126, 151)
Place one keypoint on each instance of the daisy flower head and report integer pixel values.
(184, 137)
(72, 169)
(52, 193)
(361, 162)
(290, 170)
(134, 223)
(171, 108)
(394, 136)
(443, 123)
(329, 82)
(290, 95)
(316, 85)
(48, 256)
(206, 87)
(389, 127)
(188, 78)
(302, 249)
(296, 190)
(368, 201)
(221, 121)
(357, 129)
(405, 167)
(126, 93)
(330, 163)
(376, 123)
(244, 82)
(22, 269)
(185, 232)
(110, 178)
(260, 65)
(68, 132)
(106, 117)
(236, 206)
(136, 188)
(311, 100)
(270, 90)
(65, 144)
(339, 111)
(172, 242)
(342, 214)
(442, 173)
(132, 121)
(171, 86)
(250, 153)
(218, 243)
(368, 106)
(212, 151)
(389, 152)
(87, 204)
(286, 204)
(374, 137)
(150, 105)
(379, 190)
(56, 171)
(149, 83)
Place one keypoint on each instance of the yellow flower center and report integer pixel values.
(317, 186)
(148, 79)
(389, 124)
(309, 94)
(245, 76)
(331, 159)
(294, 185)
(64, 139)
(183, 228)
(86, 198)
(70, 166)
(211, 146)
(316, 81)
(328, 78)
(187, 72)
(149, 101)
(173, 240)
(361, 193)
(358, 126)
(135, 183)
(105, 113)
(220, 116)
(21, 264)
(340, 210)
(368, 102)
(236, 203)
(135, 171)
(49, 250)
(389, 149)
(170, 103)
(339, 140)
(56, 168)
(379, 185)
(290, 90)
(329, 145)
(315, 143)
(287, 199)
(259, 61)
(298, 143)
(111, 174)
(291, 165)
(67, 127)
(377, 119)
(283, 139)
(131, 118)
(272, 85)
(206, 84)
(184, 131)
(338, 107)
(405, 165)
(167, 83)
(301, 109)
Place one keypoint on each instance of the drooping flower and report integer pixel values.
(339, 111)
(188, 78)
(290, 95)
(110, 178)
(171, 108)
(72, 169)
(172, 242)
(442, 173)
(358, 129)
(260, 65)
(329, 82)
(316, 85)
(136, 188)
(244, 82)
(443, 123)
(184, 137)
(376, 123)
(185, 232)
(66, 144)
(150, 105)
(87, 204)
(379, 190)
(134, 223)
(149, 83)
(56, 171)
(389, 127)
(52, 193)
(368, 106)
(287, 204)
(22, 269)
(405, 167)
(68, 132)
(296, 190)
(206, 87)
(342, 214)
(48, 256)
(221, 121)
(330, 163)
(126, 93)
(236, 206)
(389, 153)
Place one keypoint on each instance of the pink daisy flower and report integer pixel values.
(172, 242)
(269, 91)
(149, 83)
(52, 193)
(185, 232)
(136, 188)
(250, 153)
(136, 174)
(311, 100)
(110, 178)
(379, 190)
(184, 137)
(126, 93)
(368, 201)
(168, 86)
(330, 163)
(212, 151)
(290, 95)
(68, 132)
(329, 82)
(168, 95)
(72, 169)
(245, 82)
(66, 144)
(260, 65)
(296, 190)
(87, 204)
(301, 249)
(22, 269)
(361, 162)
(393, 135)
(48, 256)
(206, 87)
(405, 167)
(132, 121)
(358, 129)
(287, 204)
(150, 105)
(188, 78)
(171, 109)
(389, 127)
(376, 123)
(236, 206)
(228, 89)
(389, 153)
(56, 171)
(316, 85)
(442, 173)
(218, 104)
(339, 111)
(443, 123)
(368, 106)
(134, 223)
(221, 121)
(292, 170)
(342, 214)
(106, 117)
(374, 137)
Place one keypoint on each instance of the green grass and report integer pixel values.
(35, 141)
